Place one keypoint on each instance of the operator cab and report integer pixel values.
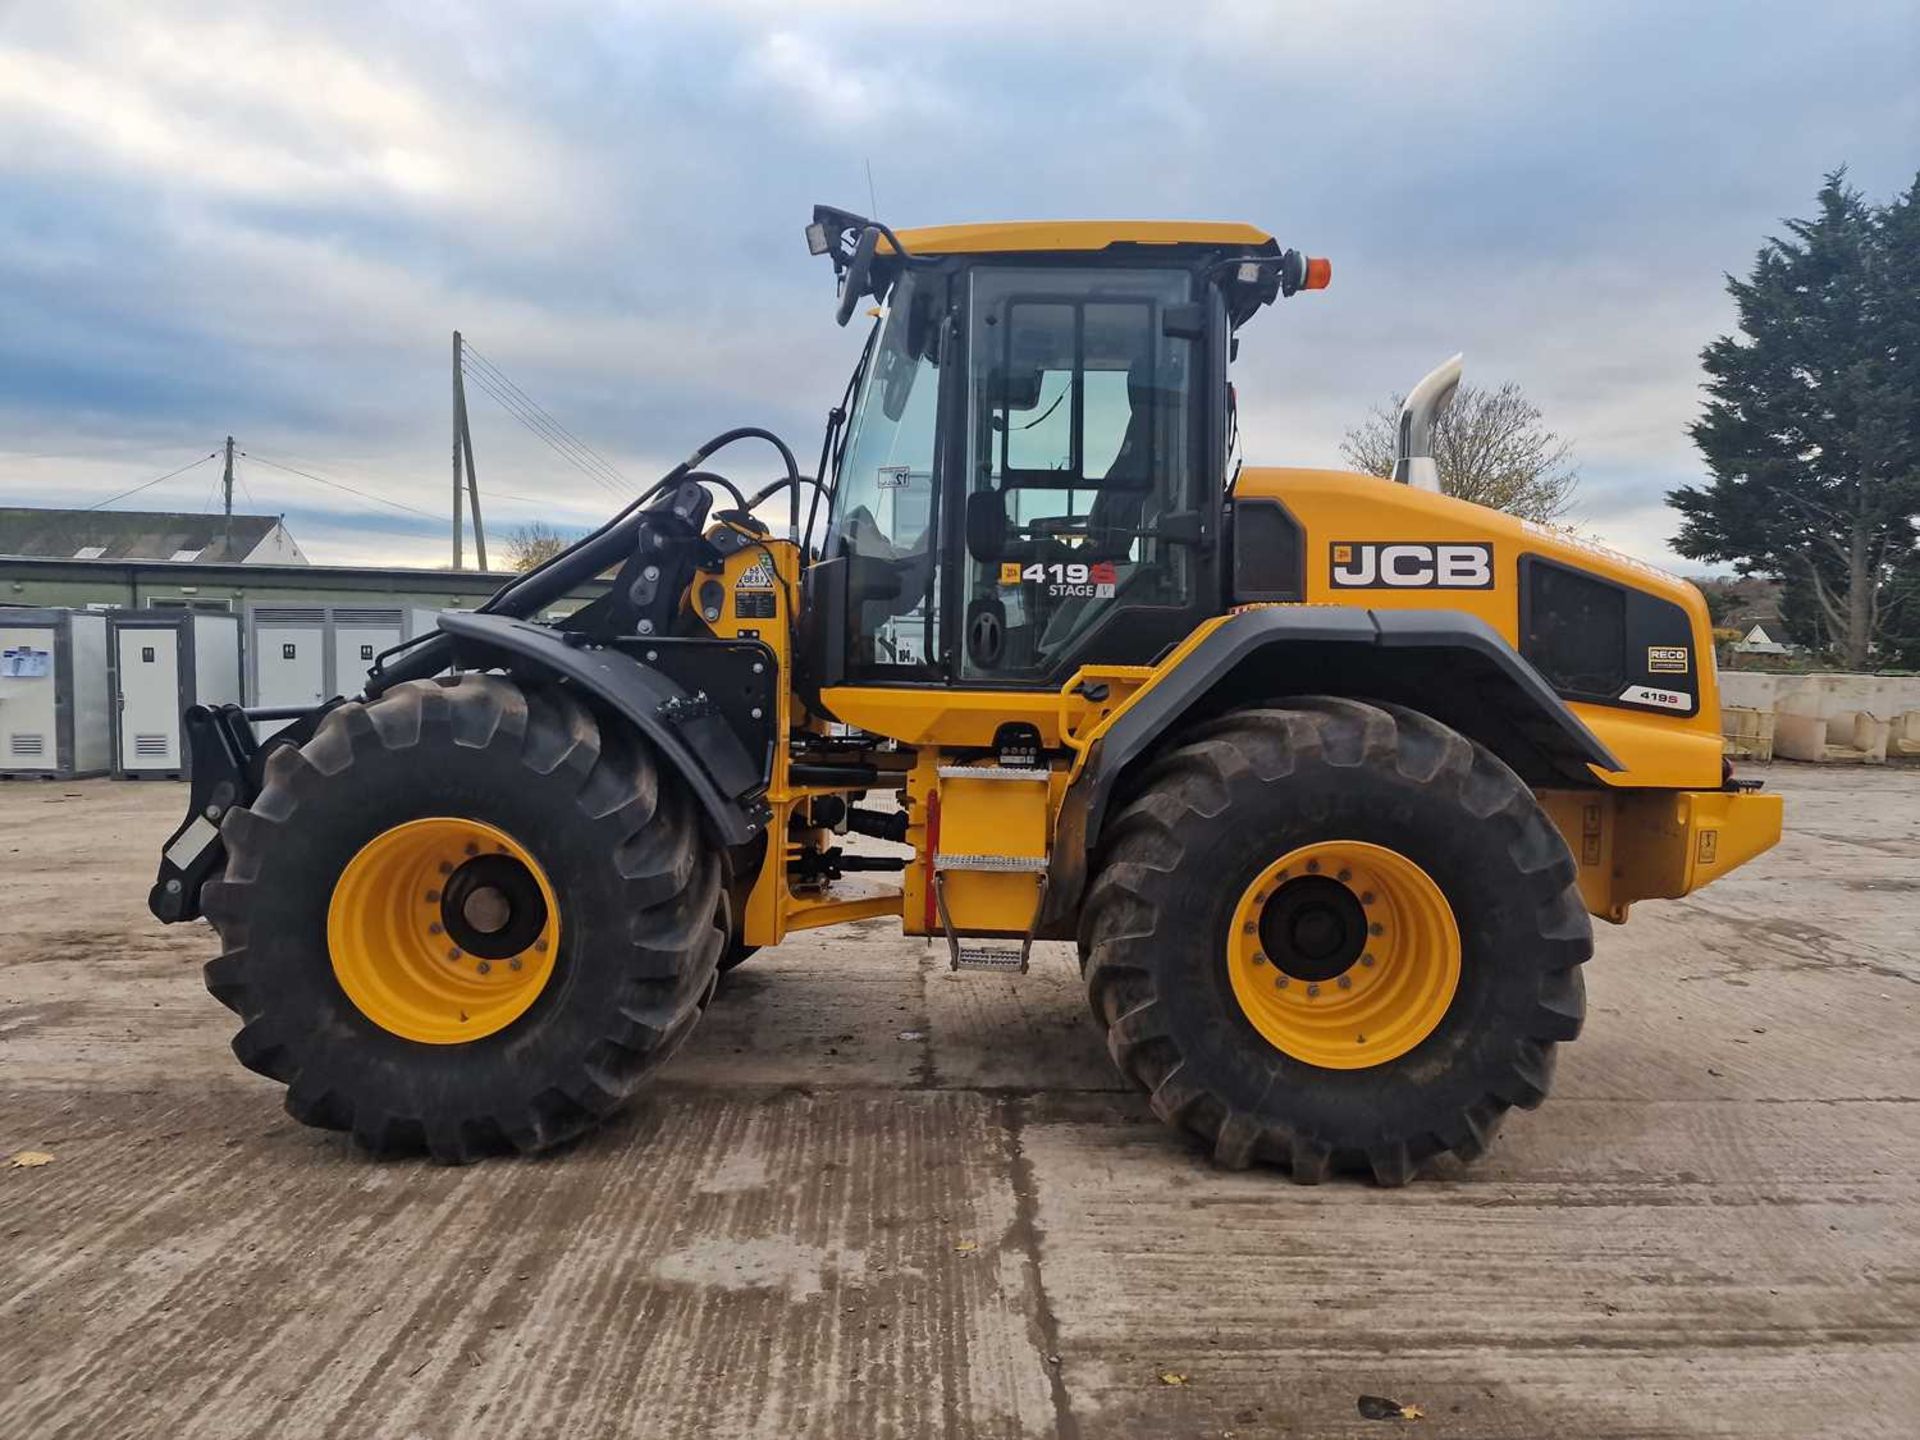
(1031, 474)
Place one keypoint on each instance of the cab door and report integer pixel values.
(1085, 530)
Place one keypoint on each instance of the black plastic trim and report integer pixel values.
(1451, 666)
(695, 739)
(1648, 621)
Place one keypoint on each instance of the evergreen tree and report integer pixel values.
(1812, 429)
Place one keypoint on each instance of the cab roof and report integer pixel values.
(1016, 236)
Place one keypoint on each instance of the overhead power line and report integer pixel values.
(149, 484)
(540, 429)
(338, 485)
(573, 441)
(538, 419)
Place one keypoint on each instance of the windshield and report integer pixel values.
(883, 514)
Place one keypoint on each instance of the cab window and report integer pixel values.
(885, 521)
(1079, 450)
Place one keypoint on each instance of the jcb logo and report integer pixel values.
(1371, 564)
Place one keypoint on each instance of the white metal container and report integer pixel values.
(303, 654)
(54, 720)
(164, 661)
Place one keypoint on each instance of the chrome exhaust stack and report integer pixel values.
(1413, 462)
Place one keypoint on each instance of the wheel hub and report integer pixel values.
(1313, 928)
(1344, 954)
(443, 930)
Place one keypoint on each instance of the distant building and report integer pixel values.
(1758, 642)
(146, 536)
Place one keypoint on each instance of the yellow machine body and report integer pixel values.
(1660, 827)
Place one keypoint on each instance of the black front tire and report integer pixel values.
(1254, 785)
(644, 912)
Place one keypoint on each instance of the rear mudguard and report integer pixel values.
(1453, 667)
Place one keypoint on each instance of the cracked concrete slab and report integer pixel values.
(874, 1198)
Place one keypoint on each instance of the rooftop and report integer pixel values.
(128, 534)
(1007, 236)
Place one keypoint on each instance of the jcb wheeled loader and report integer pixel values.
(1322, 773)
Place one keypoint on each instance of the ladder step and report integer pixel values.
(1024, 864)
(978, 957)
(993, 772)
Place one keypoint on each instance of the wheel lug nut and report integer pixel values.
(1366, 897)
(1280, 982)
(1367, 959)
(1312, 990)
(484, 967)
(1258, 958)
(453, 954)
(513, 964)
(445, 868)
(434, 928)
(1345, 875)
(1250, 927)
(541, 946)
(1376, 928)
(1345, 982)
(472, 849)
(432, 895)
(1313, 867)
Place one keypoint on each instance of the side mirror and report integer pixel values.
(859, 277)
(1183, 322)
(1013, 389)
(986, 526)
(1179, 527)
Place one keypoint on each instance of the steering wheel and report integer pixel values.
(1049, 526)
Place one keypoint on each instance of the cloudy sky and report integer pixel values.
(266, 220)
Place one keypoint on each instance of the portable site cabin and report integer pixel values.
(54, 721)
(162, 662)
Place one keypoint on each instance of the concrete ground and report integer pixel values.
(875, 1199)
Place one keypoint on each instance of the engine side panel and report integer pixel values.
(1627, 646)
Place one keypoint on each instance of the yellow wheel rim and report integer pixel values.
(1343, 954)
(443, 930)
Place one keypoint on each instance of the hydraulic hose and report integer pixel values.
(594, 552)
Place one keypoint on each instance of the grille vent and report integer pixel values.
(289, 615)
(152, 746)
(342, 616)
(26, 744)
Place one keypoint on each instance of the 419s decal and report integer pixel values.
(1410, 565)
(1093, 582)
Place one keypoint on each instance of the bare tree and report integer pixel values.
(1491, 448)
(528, 545)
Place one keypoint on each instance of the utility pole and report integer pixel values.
(463, 448)
(226, 490)
(459, 413)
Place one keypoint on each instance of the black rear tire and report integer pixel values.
(645, 919)
(1257, 784)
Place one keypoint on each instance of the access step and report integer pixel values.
(978, 957)
(1019, 864)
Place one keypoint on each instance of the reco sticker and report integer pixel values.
(1666, 659)
(1410, 565)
